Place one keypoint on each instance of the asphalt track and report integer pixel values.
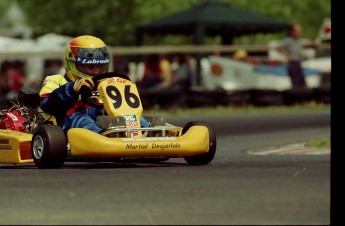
(243, 184)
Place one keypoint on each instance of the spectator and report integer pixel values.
(158, 72)
(166, 70)
(242, 55)
(175, 62)
(152, 72)
(185, 71)
(291, 47)
(121, 65)
(53, 66)
(15, 79)
(4, 86)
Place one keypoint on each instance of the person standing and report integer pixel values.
(15, 79)
(291, 47)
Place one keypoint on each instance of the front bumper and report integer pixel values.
(85, 143)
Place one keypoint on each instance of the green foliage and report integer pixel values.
(115, 21)
(4, 7)
(309, 13)
(107, 19)
(321, 143)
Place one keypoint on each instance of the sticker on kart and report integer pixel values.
(121, 96)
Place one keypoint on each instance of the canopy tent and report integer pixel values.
(24, 48)
(33, 51)
(212, 18)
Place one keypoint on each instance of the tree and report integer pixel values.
(115, 20)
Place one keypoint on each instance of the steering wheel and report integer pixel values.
(86, 94)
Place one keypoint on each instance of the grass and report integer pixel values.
(319, 144)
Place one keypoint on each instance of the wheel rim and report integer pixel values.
(38, 147)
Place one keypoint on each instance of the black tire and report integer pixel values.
(49, 147)
(263, 98)
(206, 158)
(202, 98)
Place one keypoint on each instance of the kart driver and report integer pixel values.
(85, 56)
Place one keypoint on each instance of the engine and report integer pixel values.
(14, 121)
(22, 115)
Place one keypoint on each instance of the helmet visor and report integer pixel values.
(91, 61)
(91, 53)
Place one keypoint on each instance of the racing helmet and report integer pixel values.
(86, 56)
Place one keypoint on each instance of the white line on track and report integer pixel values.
(290, 149)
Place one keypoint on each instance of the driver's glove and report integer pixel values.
(81, 82)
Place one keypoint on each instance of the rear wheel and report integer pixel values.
(49, 147)
(207, 157)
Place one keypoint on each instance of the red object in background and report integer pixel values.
(13, 121)
(327, 29)
(15, 79)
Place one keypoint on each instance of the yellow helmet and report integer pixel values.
(84, 52)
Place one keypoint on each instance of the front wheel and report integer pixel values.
(49, 147)
(206, 158)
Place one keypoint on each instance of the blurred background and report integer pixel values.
(198, 52)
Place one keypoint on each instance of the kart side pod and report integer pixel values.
(15, 147)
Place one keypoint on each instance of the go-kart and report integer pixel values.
(29, 135)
